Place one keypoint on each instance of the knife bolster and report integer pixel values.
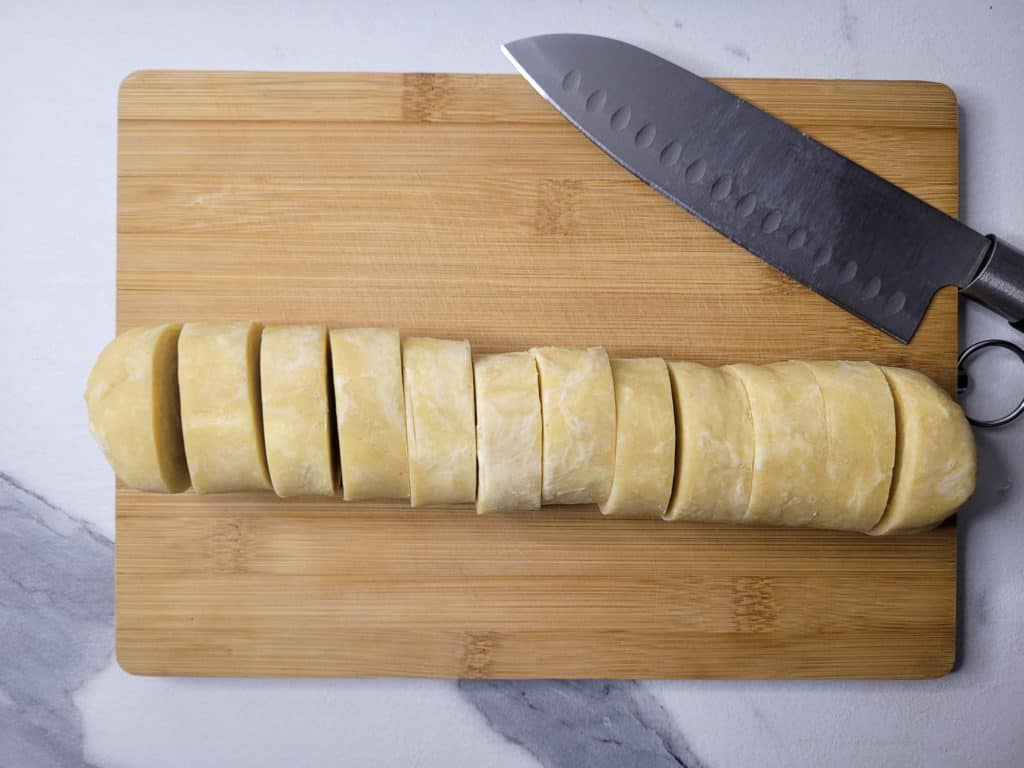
(999, 284)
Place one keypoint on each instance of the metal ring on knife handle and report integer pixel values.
(999, 283)
(962, 378)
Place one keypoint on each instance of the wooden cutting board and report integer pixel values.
(464, 206)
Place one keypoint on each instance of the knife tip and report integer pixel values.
(507, 50)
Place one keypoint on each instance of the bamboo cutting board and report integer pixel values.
(463, 206)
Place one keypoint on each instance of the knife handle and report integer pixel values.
(999, 283)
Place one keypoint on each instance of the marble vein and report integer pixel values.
(593, 723)
(56, 625)
(738, 51)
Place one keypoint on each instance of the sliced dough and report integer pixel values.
(440, 421)
(790, 442)
(936, 459)
(297, 425)
(508, 432)
(218, 369)
(715, 454)
(577, 399)
(369, 402)
(132, 397)
(861, 442)
(645, 439)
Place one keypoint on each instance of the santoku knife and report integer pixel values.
(825, 221)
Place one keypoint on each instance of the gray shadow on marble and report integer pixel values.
(992, 487)
(592, 723)
(56, 617)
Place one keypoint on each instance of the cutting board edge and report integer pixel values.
(133, 81)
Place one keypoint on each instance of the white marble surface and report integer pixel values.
(63, 700)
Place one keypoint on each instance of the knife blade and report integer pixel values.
(837, 228)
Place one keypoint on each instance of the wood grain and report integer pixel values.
(463, 206)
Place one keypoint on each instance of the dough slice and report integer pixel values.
(369, 403)
(577, 400)
(645, 439)
(715, 454)
(790, 443)
(297, 425)
(936, 459)
(440, 421)
(132, 397)
(218, 369)
(861, 442)
(508, 432)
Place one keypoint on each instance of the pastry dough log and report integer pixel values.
(297, 427)
(577, 398)
(132, 399)
(861, 443)
(508, 433)
(218, 369)
(936, 459)
(645, 439)
(440, 421)
(715, 454)
(790, 441)
(369, 403)
(231, 407)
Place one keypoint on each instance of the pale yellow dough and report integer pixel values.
(218, 369)
(645, 439)
(840, 445)
(936, 459)
(578, 410)
(790, 442)
(369, 402)
(440, 421)
(297, 427)
(861, 442)
(508, 433)
(715, 454)
(132, 398)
